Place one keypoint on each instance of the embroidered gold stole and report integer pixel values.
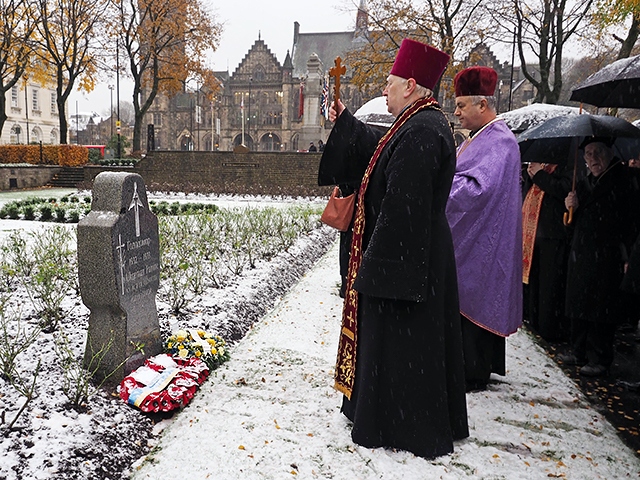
(530, 216)
(346, 361)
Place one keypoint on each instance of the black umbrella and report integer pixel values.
(557, 140)
(616, 85)
(520, 119)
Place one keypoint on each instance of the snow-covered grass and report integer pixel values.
(51, 440)
(271, 413)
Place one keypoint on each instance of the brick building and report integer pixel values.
(263, 104)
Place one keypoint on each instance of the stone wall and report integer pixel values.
(285, 173)
(228, 172)
(27, 176)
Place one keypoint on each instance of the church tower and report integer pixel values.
(362, 20)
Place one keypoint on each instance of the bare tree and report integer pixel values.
(542, 29)
(451, 25)
(68, 40)
(165, 42)
(16, 44)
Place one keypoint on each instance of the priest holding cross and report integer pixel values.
(400, 361)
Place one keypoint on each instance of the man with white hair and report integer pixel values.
(605, 226)
(400, 352)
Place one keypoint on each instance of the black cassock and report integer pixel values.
(409, 388)
(545, 294)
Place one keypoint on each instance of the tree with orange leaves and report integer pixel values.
(16, 44)
(165, 43)
(67, 39)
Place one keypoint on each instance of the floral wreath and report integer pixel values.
(199, 344)
(169, 380)
(163, 383)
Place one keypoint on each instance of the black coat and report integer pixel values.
(605, 226)
(555, 186)
(546, 291)
(409, 385)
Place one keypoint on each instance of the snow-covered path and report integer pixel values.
(271, 413)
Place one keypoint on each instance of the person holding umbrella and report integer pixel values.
(605, 206)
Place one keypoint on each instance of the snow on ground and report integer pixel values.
(52, 441)
(271, 413)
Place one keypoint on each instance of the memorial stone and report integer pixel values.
(119, 275)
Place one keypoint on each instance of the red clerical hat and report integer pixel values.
(421, 62)
(476, 81)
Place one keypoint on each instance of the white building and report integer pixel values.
(33, 115)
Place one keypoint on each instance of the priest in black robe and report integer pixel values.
(400, 364)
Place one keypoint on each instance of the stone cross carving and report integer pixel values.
(119, 275)
(136, 204)
(335, 72)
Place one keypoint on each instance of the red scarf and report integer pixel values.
(346, 362)
(530, 216)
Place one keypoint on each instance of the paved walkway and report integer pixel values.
(271, 413)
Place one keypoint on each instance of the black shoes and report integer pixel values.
(593, 370)
(570, 359)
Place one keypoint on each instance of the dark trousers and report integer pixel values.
(484, 352)
(593, 341)
(547, 287)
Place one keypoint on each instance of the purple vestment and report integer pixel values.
(485, 215)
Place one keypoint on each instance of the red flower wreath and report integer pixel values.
(163, 383)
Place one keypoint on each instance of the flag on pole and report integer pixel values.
(324, 102)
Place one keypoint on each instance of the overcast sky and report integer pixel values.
(243, 21)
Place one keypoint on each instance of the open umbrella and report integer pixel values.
(557, 140)
(616, 85)
(520, 119)
(375, 113)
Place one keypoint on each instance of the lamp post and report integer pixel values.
(249, 119)
(26, 108)
(111, 112)
(119, 149)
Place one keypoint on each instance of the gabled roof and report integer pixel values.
(259, 48)
(327, 46)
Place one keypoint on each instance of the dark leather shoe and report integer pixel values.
(593, 370)
(629, 386)
(570, 359)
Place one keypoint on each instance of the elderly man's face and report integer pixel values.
(598, 157)
(469, 114)
(394, 91)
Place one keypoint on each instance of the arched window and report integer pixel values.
(36, 135)
(15, 134)
(186, 143)
(54, 137)
(259, 73)
(248, 141)
(270, 142)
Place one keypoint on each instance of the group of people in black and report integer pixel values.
(581, 253)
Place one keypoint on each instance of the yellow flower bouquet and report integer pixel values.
(211, 349)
